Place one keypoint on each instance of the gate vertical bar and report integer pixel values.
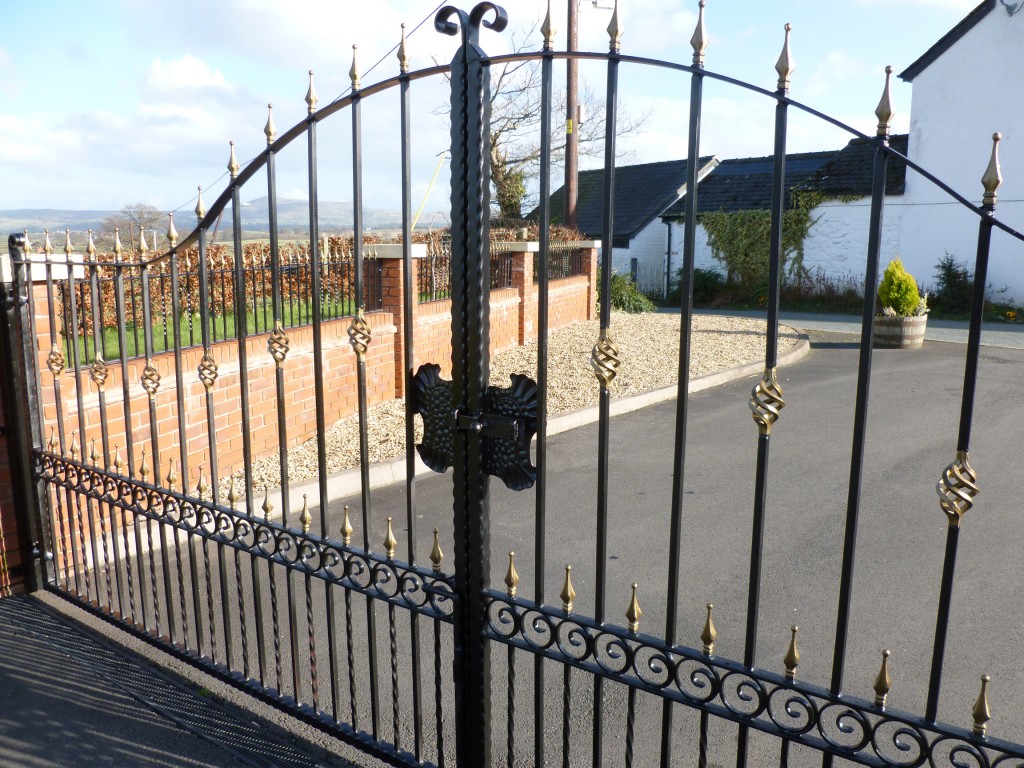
(766, 397)
(884, 113)
(540, 517)
(699, 42)
(959, 483)
(470, 198)
(409, 351)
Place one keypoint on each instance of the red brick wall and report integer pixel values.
(11, 571)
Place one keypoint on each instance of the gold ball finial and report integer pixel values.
(436, 555)
(270, 129)
(982, 714)
(568, 594)
(305, 519)
(233, 166)
(390, 543)
(353, 72)
(403, 53)
(883, 682)
(633, 612)
(311, 97)
(200, 206)
(710, 634)
(993, 174)
(346, 528)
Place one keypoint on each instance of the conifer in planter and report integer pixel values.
(904, 311)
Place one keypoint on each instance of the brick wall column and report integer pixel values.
(522, 281)
(590, 270)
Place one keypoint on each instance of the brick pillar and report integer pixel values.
(393, 301)
(522, 281)
(590, 270)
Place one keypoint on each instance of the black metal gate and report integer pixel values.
(287, 606)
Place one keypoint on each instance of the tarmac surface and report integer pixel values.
(86, 694)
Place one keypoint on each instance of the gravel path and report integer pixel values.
(648, 346)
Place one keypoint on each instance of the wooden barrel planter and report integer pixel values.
(900, 332)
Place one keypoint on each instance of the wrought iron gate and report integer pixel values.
(287, 606)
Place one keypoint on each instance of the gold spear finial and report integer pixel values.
(512, 575)
(784, 66)
(615, 30)
(346, 528)
(993, 176)
(51, 444)
(202, 486)
(699, 41)
(172, 233)
(311, 97)
(883, 682)
(233, 166)
(633, 612)
(73, 449)
(390, 543)
(233, 493)
(568, 594)
(353, 72)
(792, 657)
(172, 476)
(118, 248)
(267, 506)
(200, 206)
(884, 110)
(143, 248)
(436, 555)
(305, 519)
(67, 242)
(981, 712)
(91, 247)
(548, 30)
(47, 247)
(118, 462)
(93, 456)
(710, 634)
(270, 129)
(403, 54)
(144, 468)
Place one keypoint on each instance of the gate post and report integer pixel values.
(21, 411)
(470, 197)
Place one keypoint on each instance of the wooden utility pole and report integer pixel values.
(571, 119)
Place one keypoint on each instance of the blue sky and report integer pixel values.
(114, 101)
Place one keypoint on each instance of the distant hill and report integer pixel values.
(292, 216)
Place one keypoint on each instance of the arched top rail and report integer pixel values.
(341, 103)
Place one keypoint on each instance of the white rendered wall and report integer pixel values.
(971, 91)
(648, 248)
(837, 242)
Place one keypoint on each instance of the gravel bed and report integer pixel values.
(648, 347)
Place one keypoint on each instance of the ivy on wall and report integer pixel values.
(741, 240)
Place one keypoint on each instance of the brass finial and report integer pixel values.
(390, 543)
(305, 519)
(47, 247)
(93, 456)
(172, 233)
(346, 528)
(91, 247)
(436, 555)
(143, 467)
(143, 248)
(200, 206)
(67, 242)
(28, 245)
(233, 493)
(699, 41)
(710, 634)
(993, 176)
(615, 30)
(957, 488)
(633, 612)
(311, 98)
(233, 166)
(118, 462)
(118, 248)
(270, 129)
(51, 444)
(792, 657)
(883, 682)
(353, 73)
(403, 54)
(73, 449)
(784, 66)
(884, 110)
(766, 401)
(267, 506)
(981, 712)
(548, 30)
(511, 575)
(202, 487)
(568, 594)
(172, 477)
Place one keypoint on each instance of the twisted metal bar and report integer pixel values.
(314, 682)
(393, 637)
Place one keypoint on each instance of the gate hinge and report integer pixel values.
(506, 424)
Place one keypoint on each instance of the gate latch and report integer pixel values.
(506, 425)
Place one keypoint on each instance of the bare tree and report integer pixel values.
(131, 219)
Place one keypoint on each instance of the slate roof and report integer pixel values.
(745, 183)
(849, 172)
(642, 192)
(947, 40)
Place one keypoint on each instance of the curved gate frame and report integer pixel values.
(867, 732)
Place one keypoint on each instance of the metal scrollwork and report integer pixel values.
(55, 362)
(469, 23)
(150, 379)
(957, 488)
(359, 334)
(508, 458)
(208, 371)
(278, 345)
(99, 372)
(766, 401)
(433, 401)
(604, 358)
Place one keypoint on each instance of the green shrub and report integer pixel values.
(708, 285)
(954, 285)
(898, 290)
(627, 297)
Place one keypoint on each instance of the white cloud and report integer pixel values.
(186, 73)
